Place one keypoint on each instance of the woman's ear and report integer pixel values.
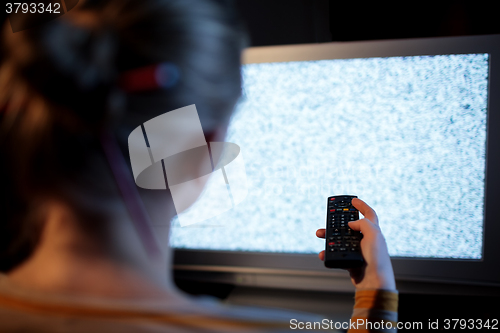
(217, 135)
(196, 167)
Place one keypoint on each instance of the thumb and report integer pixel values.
(355, 225)
(363, 225)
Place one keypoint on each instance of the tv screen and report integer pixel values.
(403, 125)
(405, 134)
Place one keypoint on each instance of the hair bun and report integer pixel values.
(83, 53)
(75, 66)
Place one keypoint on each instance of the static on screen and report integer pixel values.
(405, 134)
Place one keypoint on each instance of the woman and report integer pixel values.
(78, 249)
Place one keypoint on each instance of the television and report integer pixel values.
(409, 126)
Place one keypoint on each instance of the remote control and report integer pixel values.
(342, 243)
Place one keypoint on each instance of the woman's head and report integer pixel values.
(58, 89)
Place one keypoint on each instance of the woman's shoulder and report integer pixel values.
(25, 310)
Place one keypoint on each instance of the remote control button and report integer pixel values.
(332, 249)
(354, 249)
(342, 249)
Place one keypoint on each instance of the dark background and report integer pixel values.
(278, 22)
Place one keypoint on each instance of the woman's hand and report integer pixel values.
(377, 272)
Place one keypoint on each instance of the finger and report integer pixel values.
(320, 233)
(321, 255)
(366, 210)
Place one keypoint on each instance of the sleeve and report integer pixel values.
(374, 311)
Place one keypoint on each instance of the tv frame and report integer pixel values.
(306, 271)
